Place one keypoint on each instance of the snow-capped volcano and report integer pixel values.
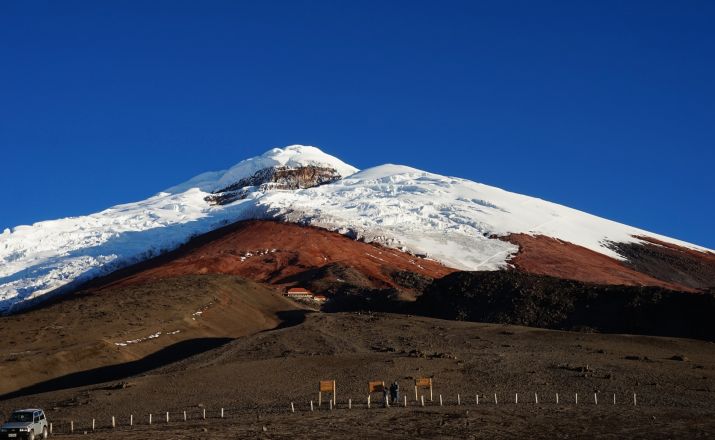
(451, 220)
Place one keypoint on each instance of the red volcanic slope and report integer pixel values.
(548, 256)
(653, 263)
(277, 253)
(270, 252)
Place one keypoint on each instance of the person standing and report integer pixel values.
(395, 393)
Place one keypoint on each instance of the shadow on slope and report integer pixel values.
(170, 354)
(290, 318)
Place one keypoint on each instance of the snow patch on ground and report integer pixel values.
(147, 338)
(259, 253)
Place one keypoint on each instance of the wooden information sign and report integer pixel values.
(326, 386)
(423, 382)
(375, 386)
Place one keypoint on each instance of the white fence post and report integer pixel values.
(557, 398)
(536, 399)
(495, 399)
(459, 400)
(595, 398)
(114, 424)
(311, 405)
(422, 399)
(516, 398)
(440, 400)
(93, 425)
(292, 408)
(131, 419)
(184, 415)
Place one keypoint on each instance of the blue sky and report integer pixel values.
(604, 106)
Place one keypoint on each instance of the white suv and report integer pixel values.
(25, 424)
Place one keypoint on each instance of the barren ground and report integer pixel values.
(255, 378)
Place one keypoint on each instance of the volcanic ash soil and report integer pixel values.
(255, 378)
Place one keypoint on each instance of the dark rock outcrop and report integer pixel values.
(669, 262)
(511, 297)
(411, 280)
(274, 178)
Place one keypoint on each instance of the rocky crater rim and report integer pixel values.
(275, 178)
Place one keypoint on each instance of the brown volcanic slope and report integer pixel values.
(283, 254)
(652, 263)
(80, 332)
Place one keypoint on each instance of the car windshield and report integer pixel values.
(21, 417)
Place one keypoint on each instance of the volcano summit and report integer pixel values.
(442, 221)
